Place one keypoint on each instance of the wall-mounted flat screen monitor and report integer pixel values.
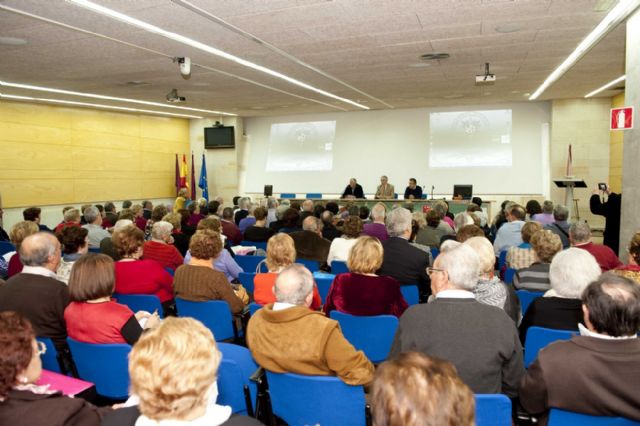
(462, 192)
(219, 137)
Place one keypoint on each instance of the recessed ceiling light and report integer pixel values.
(420, 65)
(12, 41)
(526, 94)
(436, 56)
(508, 28)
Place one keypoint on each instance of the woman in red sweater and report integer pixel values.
(92, 316)
(136, 276)
(161, 248)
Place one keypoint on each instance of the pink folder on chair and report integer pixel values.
(65, 384)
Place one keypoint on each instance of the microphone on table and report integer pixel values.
(432, 188)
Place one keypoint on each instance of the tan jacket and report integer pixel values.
(298, 340)
(386, 194)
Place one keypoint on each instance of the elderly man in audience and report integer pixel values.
(161, 248)
(580, 237)
(287, 336)
(385, 190)
(329, 230)
(94, 226)
(309, 242)
(229, 228)
(272, 206)
(560, 224)
(402, 261)
(546, 217)
(523, 255)
(249, 220)
(571, 272)
(71, 218)
(307, 210)
(597, 372)
(545, 245)
(35, 292)
(244, 203)
(33, 214)
(480, 340)
(111, 215)
(377, 228)
(510, 234)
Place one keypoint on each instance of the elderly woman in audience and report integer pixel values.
(523, 255)
(533, 208)
(126, 214)
(184, 223)
(361, 292)
(161, 248)
(157, 214)
(545, 245)
(281, 252)
(259, 231)
(545, 217)
(106, 245)
(571, 272)
(138, 216)
(340, 247)
(199, 280)
(249, 219)
(490, 290)
(436, 228)
(180, 240)
(417, 390)
(71, 218)
(18, 233)
(195, 215)
(442, 209)
(418, 222)
(22, 401)
(137, 276)
(75, 244)
(290, 220)
(93, 316)
(179, 203)
(632, 270)
(173, 370)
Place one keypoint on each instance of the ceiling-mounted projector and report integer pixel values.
(486, 79)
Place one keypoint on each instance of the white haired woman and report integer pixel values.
(161, 248)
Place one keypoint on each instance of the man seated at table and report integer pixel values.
(287, 336)
(385, 190)
(413, 191)
(353, 190)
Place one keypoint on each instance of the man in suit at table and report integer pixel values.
(385, 190)
(353, 190)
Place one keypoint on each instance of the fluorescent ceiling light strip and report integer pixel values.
(155, 52)
(207, 15)
(92, 105)
(606, 86)
(204, 47)
(618, 14)
(106, 98)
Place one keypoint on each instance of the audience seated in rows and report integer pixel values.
(160, 248)
(340, 247)
(74, 242)
(309, 242)
(597, 372)
(560, 225)
(279, 222)
(18, 233)
(32, 214)
(501, 217)
(376, 228)
(480, 340)
(523, 256)
(418, 390)
(361, 292)
(94, 227)
(545, 245)
(510, 233)
(259, 231)
(632, 270)
(418, 222)
(93, 316)
(570, 273)
(546, 216)
(229, 228)
(180, 240)
(287, 336)
(580, 237)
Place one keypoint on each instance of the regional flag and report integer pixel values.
(203, 184)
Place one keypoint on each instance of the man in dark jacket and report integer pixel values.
(610, 209)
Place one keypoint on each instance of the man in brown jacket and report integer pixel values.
(288, 337)
(309, 242)
(597, 372)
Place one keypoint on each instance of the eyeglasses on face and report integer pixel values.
(41, 348)
(431, 271)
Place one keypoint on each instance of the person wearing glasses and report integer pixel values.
(22, 400)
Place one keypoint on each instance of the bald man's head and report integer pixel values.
(294, 285)
(41, 249)
(313, 224)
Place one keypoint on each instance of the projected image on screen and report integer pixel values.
(470, 139)
(297, 147)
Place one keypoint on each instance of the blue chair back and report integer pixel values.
(410, 293)
(6, 247)
(140, 302)
(236, 367)
(288, 195)
(313, 400)
(214, 314)
(312, 265)
(94, 250)
(509, 274)
(373, 334)
(395, 196)
(249, 263)
(314, 195)
(324, 284)
(526, 298)
(559, 417)
(105, 365)
(435, 251)
(170, 271)
(540, 337)
(50, 357)
(246, 279)
(339, 267)
(257, 244)
(502, 259)
(493, 410)
(253, 308)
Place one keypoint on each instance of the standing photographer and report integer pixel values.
(610, 209)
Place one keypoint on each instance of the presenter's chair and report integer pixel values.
(288, 195)
(314, 195)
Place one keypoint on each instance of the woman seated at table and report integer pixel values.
(341, 246)
(93, 316)
(198, 280)
(281, 252)
(75, 243)
(138, 276)
(22, 401)
(361, 292)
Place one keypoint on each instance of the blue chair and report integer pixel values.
(6, 247)
(253, 308)
(214, 314)
(250, 263)
(502, 259)
(372, 334)
(314, 195)
(339, 267)
(493, 410)
(312, 265)
(395, 196)
(509, 274)
(410, 293)
(105, 365)
(288, 195)
(257, 244)
(234, 387)
(526, 298)
(324, 285)
(434, 252)
(423, 197)
(170, 271)
(559, 417)
(539, 337)
(50, 357)
(246, 279)
(94, 250)
(140, 302)
(312, 400)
